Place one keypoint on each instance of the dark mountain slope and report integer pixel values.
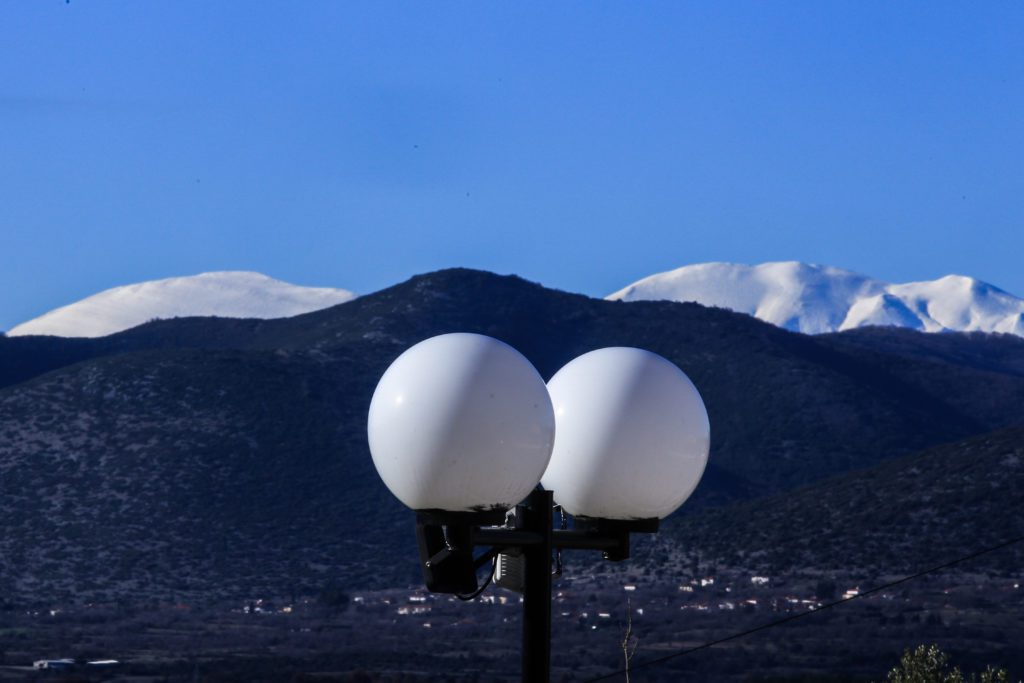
(1000, 353)
(183, 474)
(22, 358)
(948, 365)
(898, 517)
(202, 458)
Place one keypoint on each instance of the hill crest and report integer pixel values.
(816, 299)
(228, 294)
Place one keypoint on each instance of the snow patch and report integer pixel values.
(815, 299)
(228, 294)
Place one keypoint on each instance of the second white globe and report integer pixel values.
(632, 435)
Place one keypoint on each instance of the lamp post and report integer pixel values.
(462, 429)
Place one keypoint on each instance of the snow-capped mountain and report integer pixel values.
(814, 299)
(229, 294)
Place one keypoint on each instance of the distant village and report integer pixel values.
(588, 611)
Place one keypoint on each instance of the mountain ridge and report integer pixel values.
(815, 299)
(232, 294)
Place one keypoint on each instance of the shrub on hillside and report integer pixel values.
(929, 664)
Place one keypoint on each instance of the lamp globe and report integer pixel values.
(632, 435)
(461, 423)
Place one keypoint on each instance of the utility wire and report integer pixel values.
(801, 615)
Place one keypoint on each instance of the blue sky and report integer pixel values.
(582, 145)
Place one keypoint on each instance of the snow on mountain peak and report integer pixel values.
(814, 299)
(227, 294)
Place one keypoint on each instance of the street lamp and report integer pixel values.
(632, 436)
(462, 429)
(461, 423)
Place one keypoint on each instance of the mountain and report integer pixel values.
(196, 459)
(815, 299)
(230, 294)
(897, 517)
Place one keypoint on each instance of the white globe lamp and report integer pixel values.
(461, 423)
(632, 436)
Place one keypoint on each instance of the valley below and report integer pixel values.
(410, 635)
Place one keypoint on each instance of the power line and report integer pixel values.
(801, 615)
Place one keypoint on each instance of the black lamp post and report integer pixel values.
(447, 540)
(462, 429)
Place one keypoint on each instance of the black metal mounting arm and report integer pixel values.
(447, 540)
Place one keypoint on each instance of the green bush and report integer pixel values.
(929, 664)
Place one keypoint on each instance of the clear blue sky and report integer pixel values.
(582, 145)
